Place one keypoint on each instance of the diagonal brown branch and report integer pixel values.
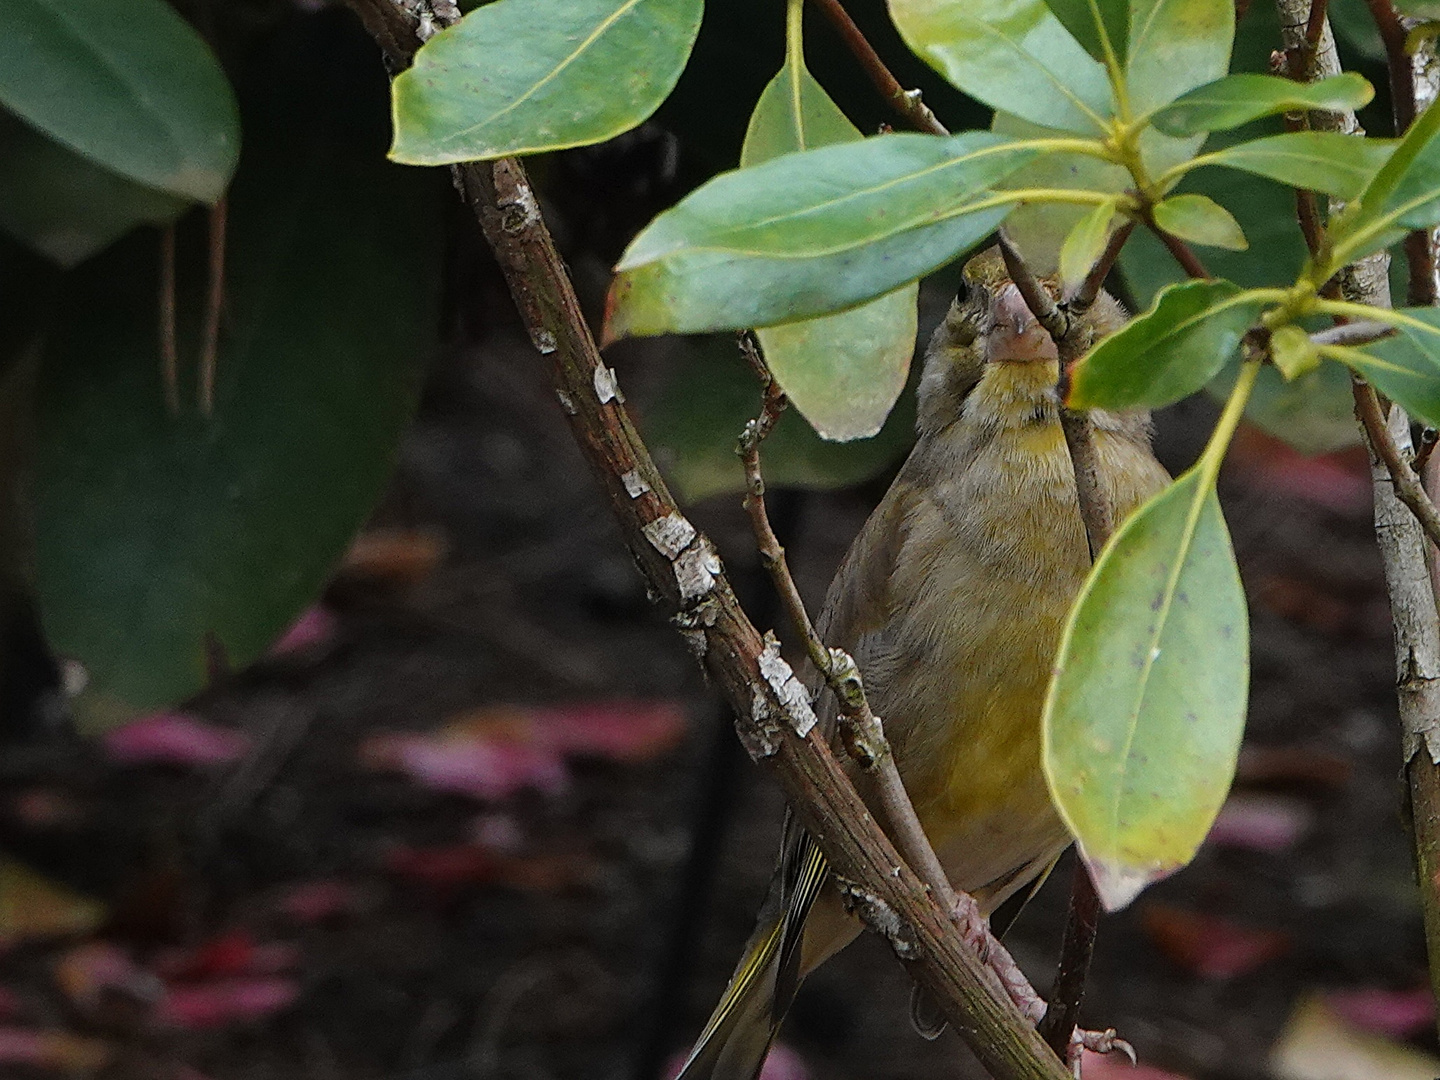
(773, 716)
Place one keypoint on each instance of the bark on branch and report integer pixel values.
(773, 715)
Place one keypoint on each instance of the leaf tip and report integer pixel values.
(1117, 884)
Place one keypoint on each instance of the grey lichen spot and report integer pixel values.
(566, 403)
(695, 642)
(520, 210)
(670, 535)
(543, 340)
(606, 388)
(696, 569)
(635, 484)
(790, 690)
(761, 737)
(881, 918)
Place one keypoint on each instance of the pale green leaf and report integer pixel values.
(1293, 352)
(1200, 220)
(524, 76)
(1085, 19)
(1012, 55)
(130, 86)
(1406, 366)
(811, 233)
(1085, 244)
(1238, 99)
(1170, 351)
(1175, 46)
(1323, 161)
(1404, 195)
(842, 372)
(1144, 717)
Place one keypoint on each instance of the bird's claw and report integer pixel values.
(1097, 1042)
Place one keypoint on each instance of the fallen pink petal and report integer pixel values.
(1265, 823)
(1117, 1067)
(315, 627)
(221, 1002)
(483, 769)
(174, 739)
(1398, 1014)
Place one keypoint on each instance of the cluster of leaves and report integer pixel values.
(168, 540)
(1101, 111)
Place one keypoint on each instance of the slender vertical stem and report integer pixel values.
(169, 351)
(1077, 948)
(214, 301)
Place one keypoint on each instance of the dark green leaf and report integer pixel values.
(522, 76)
(1079, 17)
(1170, 351)
(128, 85)
(1147, 707)
(1324, 161)
(1238, 99)
(1314, 413)
(166, 541)
(1200, 220)
(810, 233)
(65, 206)
(1175, 46)
(1012, 55)
(1404, 195)
(1406, 367)
(842, 372)
(693, 434)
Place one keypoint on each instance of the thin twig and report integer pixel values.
(1428, 438)
(1316, 23)
(1085, 296)
(169, 350)
(1355, 333)
(772, 714)
(1077, 948)
(1408, 488)
(906, 103)
(214, 299)
(865, 738)
(1188, 260)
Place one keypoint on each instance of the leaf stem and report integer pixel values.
(1214, 452)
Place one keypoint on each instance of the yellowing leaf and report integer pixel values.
(33, 906)
(1143, 721)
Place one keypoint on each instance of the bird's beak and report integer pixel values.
(1016, 336)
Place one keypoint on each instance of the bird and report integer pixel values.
(952, 600)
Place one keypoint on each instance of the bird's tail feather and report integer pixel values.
(738, 1035)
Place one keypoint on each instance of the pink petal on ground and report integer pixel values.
(316, 901)
(58, 1050)
(316, 626)
(618, 730)
(88, 972)
(1339, 481)
(480, 768)
(1396, 1013)
(1118, 1067)
(174, 739)
(235, 952)
(1266, 823)
(220, 1002)
(1208, 946)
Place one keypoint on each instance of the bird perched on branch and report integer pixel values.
(951, 600)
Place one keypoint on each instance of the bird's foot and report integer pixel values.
(1097, 1042)
(975, 929)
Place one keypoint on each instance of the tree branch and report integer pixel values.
(906, 103)
(1355, 333)
(773, 716)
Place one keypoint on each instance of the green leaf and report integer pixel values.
(1293, 352)
(525, 76)
(164, 540)
(1314, 412)
(1085, 244)
(1405, 367)
(842, 372)
(128, 85)
(693, 434)
(1404, 195)
(1200, 220)
(65, 206)
(1169, 352)
(1085, 19)
(1324, 161)
(1238, 99)
(1145, 714)
(1012, 55)
(1175, 46)
(810, 233)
